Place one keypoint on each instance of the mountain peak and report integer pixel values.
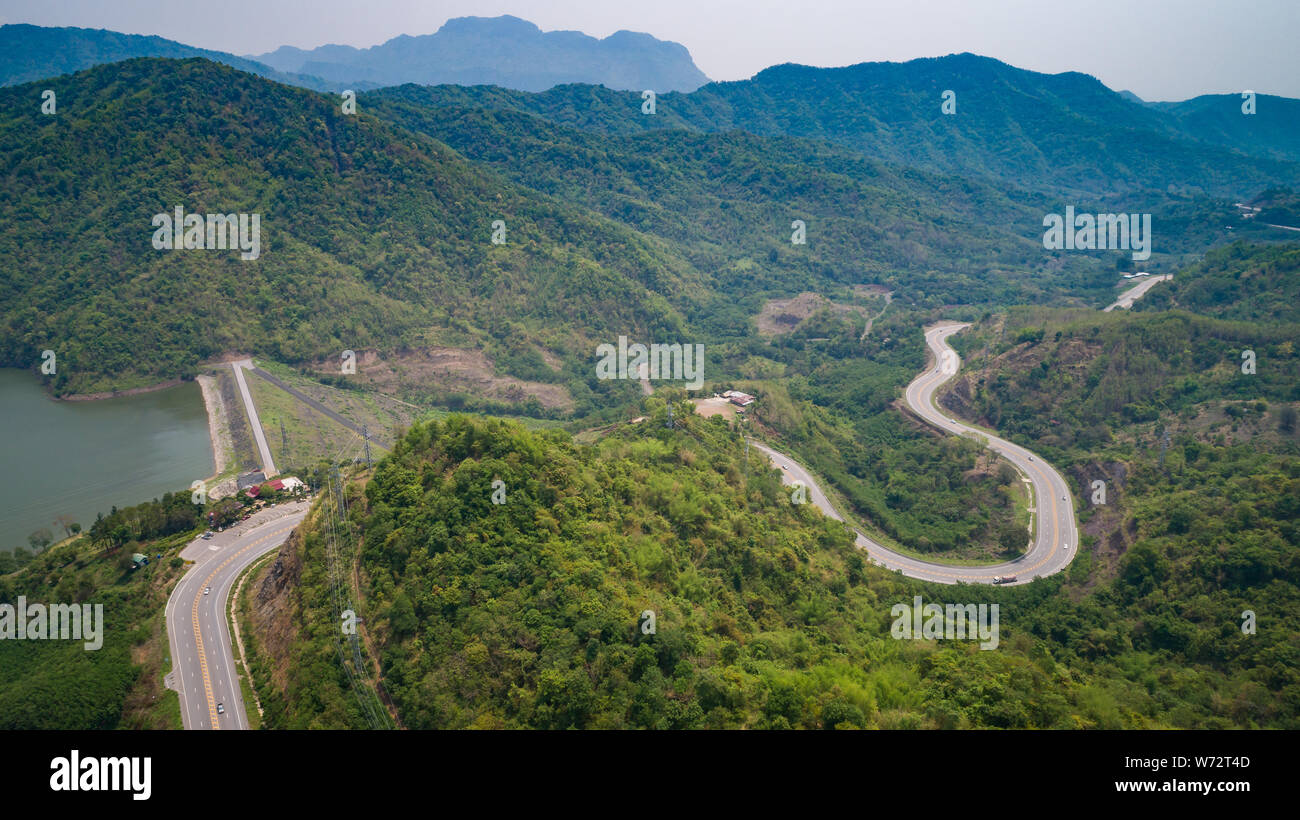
(504, 25)
(505, 51)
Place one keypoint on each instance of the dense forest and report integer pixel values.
(1064, 379)
(58, 684)
(378, 236)
(1243, 281)
(370, 236)
(728, 200)
(1066, 133)
(528, 611)
(527, 614)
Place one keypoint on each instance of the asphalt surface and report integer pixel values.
(268, 463)
(203, 662)
(1056, 539)
(1128, 297)
(320, 408)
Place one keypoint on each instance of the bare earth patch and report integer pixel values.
(780, 316)
(449, 370)
(715, 407)
(784, 315)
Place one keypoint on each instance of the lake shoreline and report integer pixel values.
(115, 394)
(219, 434)
(81, 458)
(218, 428)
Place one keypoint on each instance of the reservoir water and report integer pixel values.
(80, 458)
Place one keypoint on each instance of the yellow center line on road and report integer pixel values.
(198, 637)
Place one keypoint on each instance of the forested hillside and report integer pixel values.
(1239, 282)
(1218, 118)
(1065, 379)
(29, 53)
(376, 237)
(728, 200)
(59, 684)
(931, 495)
(525, 610)
(1065, 133)
(370, 236)
(527, 614)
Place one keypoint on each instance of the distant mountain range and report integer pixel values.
(504, 51)
(1063, 133)
(1056, 132)
(29, 53)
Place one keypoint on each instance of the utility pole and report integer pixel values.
(1164, 445)
(284, 442)
(670, 415)
(365, 432)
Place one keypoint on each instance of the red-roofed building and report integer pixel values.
(738, 398)
(288, 484)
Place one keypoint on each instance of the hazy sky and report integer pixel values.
(1160, 49)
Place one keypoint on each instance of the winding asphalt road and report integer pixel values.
(1056, 539)
(203, 664)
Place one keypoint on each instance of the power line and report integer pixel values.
(372, 709)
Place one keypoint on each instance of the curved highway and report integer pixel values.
(1052, 509)
(203, 664)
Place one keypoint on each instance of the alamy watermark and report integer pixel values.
(1248, 362)
(41, 622)
(951, 622)
(194, 232)
(655, 361)
(102, 774)
(1116, 232)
